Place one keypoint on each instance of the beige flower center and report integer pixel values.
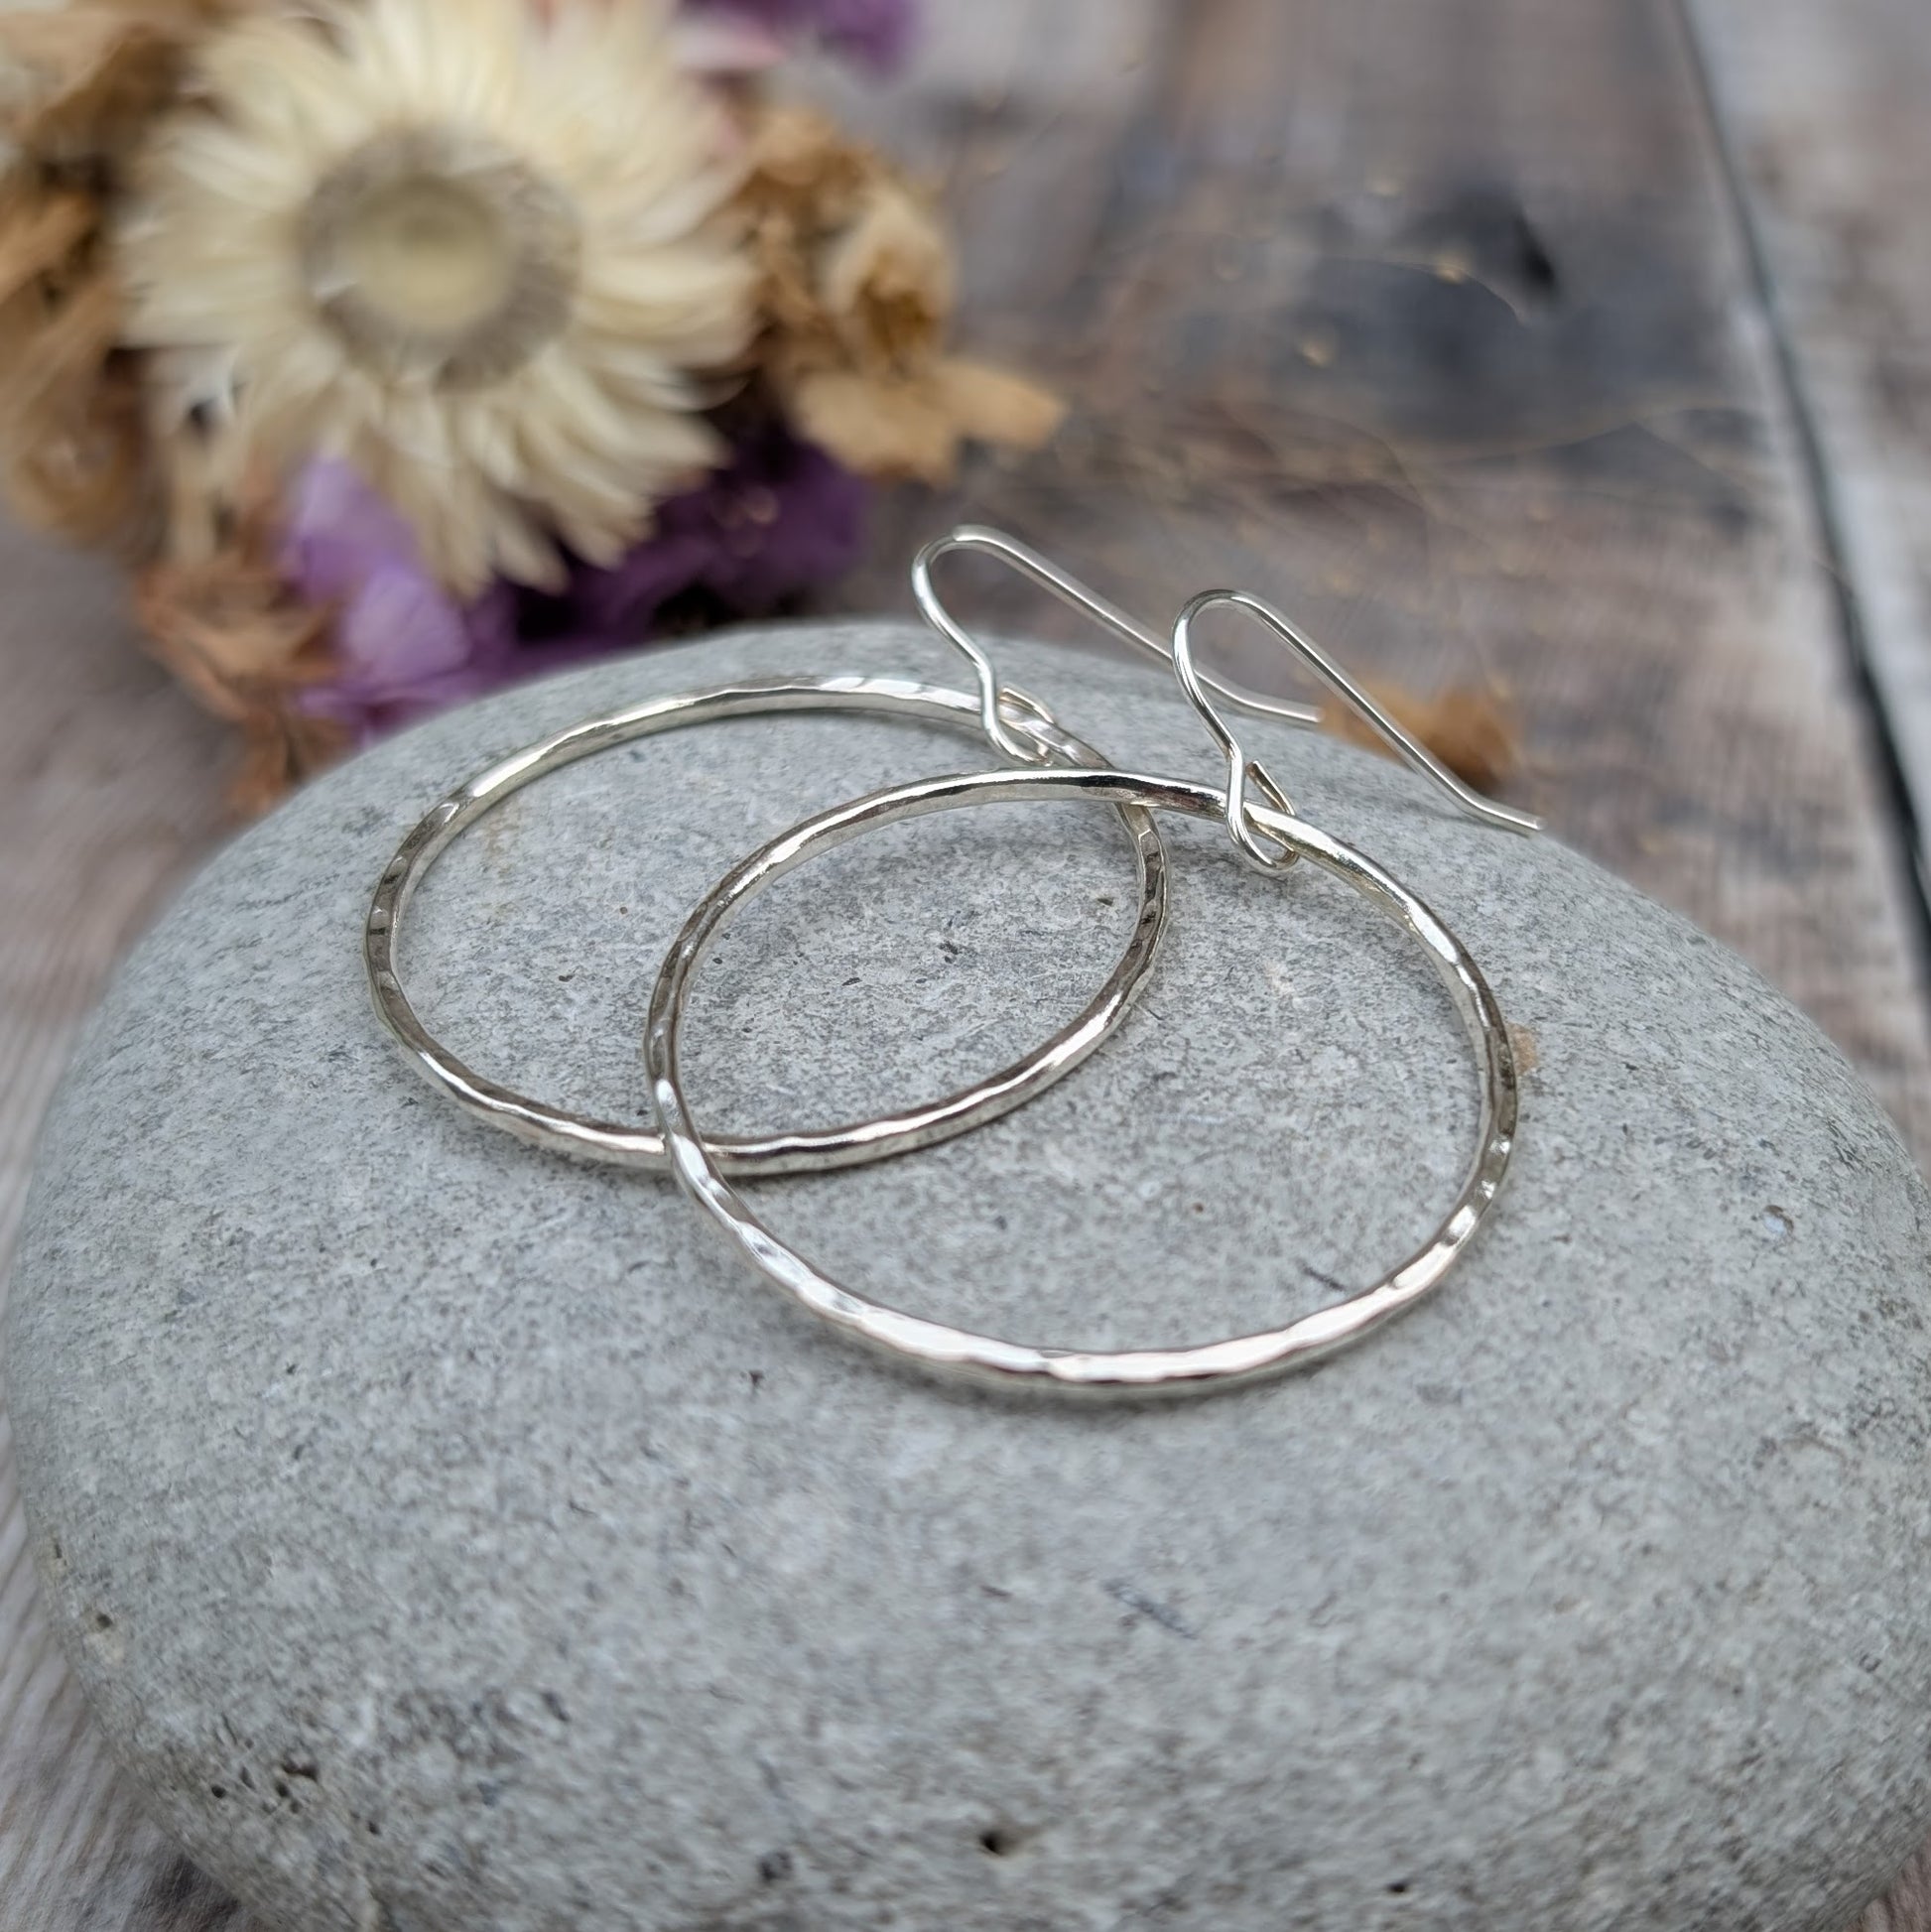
(438, 254)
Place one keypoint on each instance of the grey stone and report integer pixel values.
(448, 1537)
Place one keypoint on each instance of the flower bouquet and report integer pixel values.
(401, 348)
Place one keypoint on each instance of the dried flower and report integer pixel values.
(78, 87)
(405, 343)
(79, 82)
(247, 646)
(470, 250)
(401, 645)
(78, 458)
(69, 427)
(886, 280)
(858, 288)
(912, 426)
(779, 519)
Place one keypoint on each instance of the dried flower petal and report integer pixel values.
(80, 469)
(888, 427)
(78, 84)
(723, 46)
(78, 87)
(779, 519)
(72, 441)
(403, 646)
(857, 288)
(989, 405)
(910, 427)
(887, 282)
(803, 169)
(41, 231)
(476, 254)
(248, 647)
(233, 630)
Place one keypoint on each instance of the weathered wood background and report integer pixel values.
(1583, 346)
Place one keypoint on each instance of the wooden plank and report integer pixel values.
(1431, 320)
(1825, 110)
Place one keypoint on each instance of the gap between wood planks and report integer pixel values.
(1825, 506)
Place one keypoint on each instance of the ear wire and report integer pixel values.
(1041, 571)
(1242, 771)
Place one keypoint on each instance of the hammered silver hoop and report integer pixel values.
(963, 1354)
(811, 1152)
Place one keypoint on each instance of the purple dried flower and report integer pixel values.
(875, 34)
(403, 645)
(780, 518)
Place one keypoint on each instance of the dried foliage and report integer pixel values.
(79, 84)
(857, 293)
(79, 88)
(235, 634)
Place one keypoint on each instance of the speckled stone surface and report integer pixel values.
(449, 1537)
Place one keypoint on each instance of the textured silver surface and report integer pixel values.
(989, 1361)
(530, 1573)
(803, 1151)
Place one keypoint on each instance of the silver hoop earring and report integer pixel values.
(1269, 837)
(812, 1151)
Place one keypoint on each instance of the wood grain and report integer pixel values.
(1435, 320)
(1825, 112)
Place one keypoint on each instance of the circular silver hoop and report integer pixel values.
(815, 1151)
(960, 1354)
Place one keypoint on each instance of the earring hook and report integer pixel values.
(1048, 576)
(1243, 771)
